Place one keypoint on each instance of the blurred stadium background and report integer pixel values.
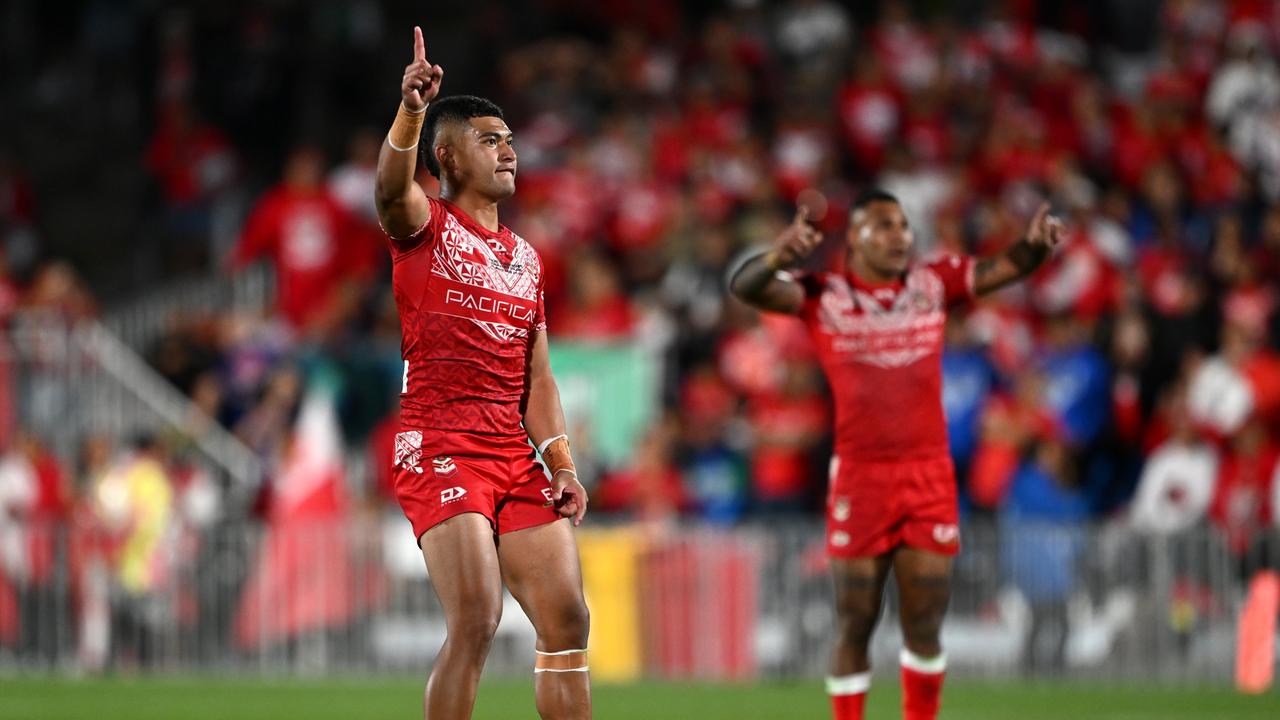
(200, 352)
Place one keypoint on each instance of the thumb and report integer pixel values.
(802, 214)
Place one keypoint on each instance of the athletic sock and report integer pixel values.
(847, 695)
(921, 685)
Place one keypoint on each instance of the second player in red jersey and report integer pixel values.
(880, 344)
(891, 501)
(477, 389)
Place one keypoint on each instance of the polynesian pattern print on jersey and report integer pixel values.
(862, 329)
(487, 282)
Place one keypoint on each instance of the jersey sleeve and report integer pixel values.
(540, 315)
(418, 238)
(956, 273)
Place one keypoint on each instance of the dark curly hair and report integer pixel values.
(446, 110)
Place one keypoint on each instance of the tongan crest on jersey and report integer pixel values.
(881, 348)
(470, 300)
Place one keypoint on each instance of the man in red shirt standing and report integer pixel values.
(477, 388)
(321, 257)
(878, 330)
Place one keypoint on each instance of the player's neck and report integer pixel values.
(481, 209)
(870, 275)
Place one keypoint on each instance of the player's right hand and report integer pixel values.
(421, 81)
(795, 243)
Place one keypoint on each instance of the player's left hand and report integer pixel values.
(569, 496)
(1046, 230)
(421, 82)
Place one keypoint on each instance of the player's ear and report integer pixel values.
(444, 156)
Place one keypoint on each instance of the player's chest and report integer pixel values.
(506, 265)
(888, 327)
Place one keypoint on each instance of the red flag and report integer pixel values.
(1256, 634)
(303, 580)
(8, 612)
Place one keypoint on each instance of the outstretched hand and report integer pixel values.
(421, 81)
(1046, 230)
(795, 243)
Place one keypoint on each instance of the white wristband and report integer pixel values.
(542, 447)
(397, 148)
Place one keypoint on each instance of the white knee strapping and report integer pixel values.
(561, 661)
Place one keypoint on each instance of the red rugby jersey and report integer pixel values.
(881, 349)
(470, 302)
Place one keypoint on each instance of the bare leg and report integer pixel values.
(859, 588)
(924, 589)
(540, 566)
(463, 563)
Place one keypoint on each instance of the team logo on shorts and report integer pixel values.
(839, 538)
(452, 494)
(546, 493)
(946, 534)
(409, 451)
(444, 466)
(840, 509)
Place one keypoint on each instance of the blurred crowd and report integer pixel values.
(1134, 376)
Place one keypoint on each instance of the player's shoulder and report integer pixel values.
(943, 260)
(814, 282)
(952, 273)
(406, 244)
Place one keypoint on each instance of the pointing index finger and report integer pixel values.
(419, 46)
(1040, 213)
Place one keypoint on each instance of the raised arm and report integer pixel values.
(1021, 258)
(760, 281)
(544, 421)
(402, 206)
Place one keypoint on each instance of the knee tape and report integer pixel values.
(562, 661)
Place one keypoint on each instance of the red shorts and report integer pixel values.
(439, 475)
(873, 507)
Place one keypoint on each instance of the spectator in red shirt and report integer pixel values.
(651, 488)
(320, 254)
(870, 112)
(789, 425)
(190, 158)
(597, 309)
(1241, 505)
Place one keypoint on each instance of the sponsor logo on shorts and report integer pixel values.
(946, 534)
(452, 494)
(546, 493)
(840, 509)
(444, 466)
(409, 450)
(839, 538)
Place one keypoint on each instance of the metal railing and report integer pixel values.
(70, 382)
(349, 594)
(140, 322)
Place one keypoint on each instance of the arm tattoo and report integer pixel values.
(752, 278)
(1025, 256)
(765, 288)
(982, 269)
(1022, 257)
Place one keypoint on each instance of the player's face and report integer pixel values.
(486, 158)
(881, 236)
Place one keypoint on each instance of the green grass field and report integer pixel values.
(42, 699)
